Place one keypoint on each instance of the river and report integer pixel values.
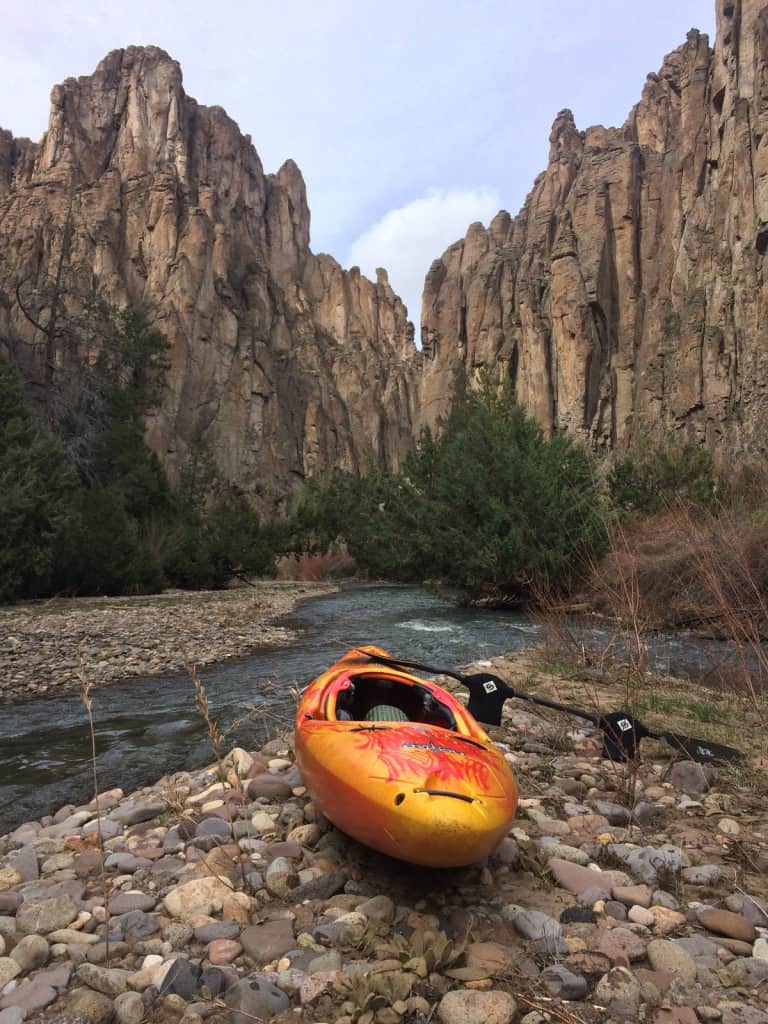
(146, 728)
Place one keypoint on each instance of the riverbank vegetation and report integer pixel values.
(486, 504)
(85, 504)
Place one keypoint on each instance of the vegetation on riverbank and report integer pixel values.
(486, 504)
(85, 504)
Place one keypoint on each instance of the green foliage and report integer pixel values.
(489, 501)
(660, 476)
(226, 539)
(100, 550)
(35, 487)
(91, 510)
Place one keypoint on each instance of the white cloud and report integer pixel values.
(406, 240)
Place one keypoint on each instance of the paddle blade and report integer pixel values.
(704, 751)
(487, 694)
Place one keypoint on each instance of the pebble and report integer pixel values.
(724, 922)
(129, 1008)
(257, 997)
(465, 1006)
(224, 951)
(619, 992)
(93, 1006)
(665, 955)
(689, 777)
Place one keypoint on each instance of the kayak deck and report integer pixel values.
(399, 764)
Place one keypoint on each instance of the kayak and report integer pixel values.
(399, 764)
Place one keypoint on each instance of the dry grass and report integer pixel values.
(85, 696)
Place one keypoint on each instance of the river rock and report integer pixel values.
(665, 955)
(31, 953)
(269, 786)
(701, 874)
(109, 981)
(619, 992)
(35, 995)
(622, 944)
(689, 777)
(136, 924)
(9, 969)
(564, 984)
(281, 877)
(12, 1015)
(257, 997)
(124, 902)
(199, 896)
(129, 1008)
(182, 979)
(631, 895)
(466, 1006)
(224, 951)
(134, 814)
(266, 942)
(724, 922)
(214, 930)
(95, 1007)
(40, 916)
(577, 879)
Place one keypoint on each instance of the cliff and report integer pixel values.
(629, 294)
(282, 363)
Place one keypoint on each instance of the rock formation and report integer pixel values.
(282, 363)
(630, 292)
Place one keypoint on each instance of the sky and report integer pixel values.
(409, 119)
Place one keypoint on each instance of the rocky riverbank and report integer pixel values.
(227, 897)
(46, 647)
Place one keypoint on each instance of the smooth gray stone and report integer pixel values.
(255, 997)
(561, 982)
(144, 811)
(217, 930)
(25, 862)
(183, 979)
(137, 924)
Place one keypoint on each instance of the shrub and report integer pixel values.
(656, 477)
(36, 483)
(488, 502)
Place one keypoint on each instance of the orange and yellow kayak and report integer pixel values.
(400, 764)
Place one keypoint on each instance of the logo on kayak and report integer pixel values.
(434, 747)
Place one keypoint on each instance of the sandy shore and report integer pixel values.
(45, 647)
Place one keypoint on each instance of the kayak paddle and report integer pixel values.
(621, 731)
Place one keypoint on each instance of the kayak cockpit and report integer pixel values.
(374, 697)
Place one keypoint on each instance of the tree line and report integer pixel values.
(85, 505)
(486, 501)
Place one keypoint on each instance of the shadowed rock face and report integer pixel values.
(630, 291)
(281, 362)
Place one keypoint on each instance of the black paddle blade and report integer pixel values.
(703, 751)
(487, 695)
(621, 735)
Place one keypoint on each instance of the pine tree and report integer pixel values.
(36, 483)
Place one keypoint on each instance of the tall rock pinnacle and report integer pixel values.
(282, 363)
(631, 291)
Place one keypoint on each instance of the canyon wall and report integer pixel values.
(281, 363)
(629, 295)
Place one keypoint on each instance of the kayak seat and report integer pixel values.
(374, 698)
(386, 713)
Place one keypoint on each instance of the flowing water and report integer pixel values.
(148, 727)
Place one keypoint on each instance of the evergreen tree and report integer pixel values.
(489, 501)
(36, 484)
